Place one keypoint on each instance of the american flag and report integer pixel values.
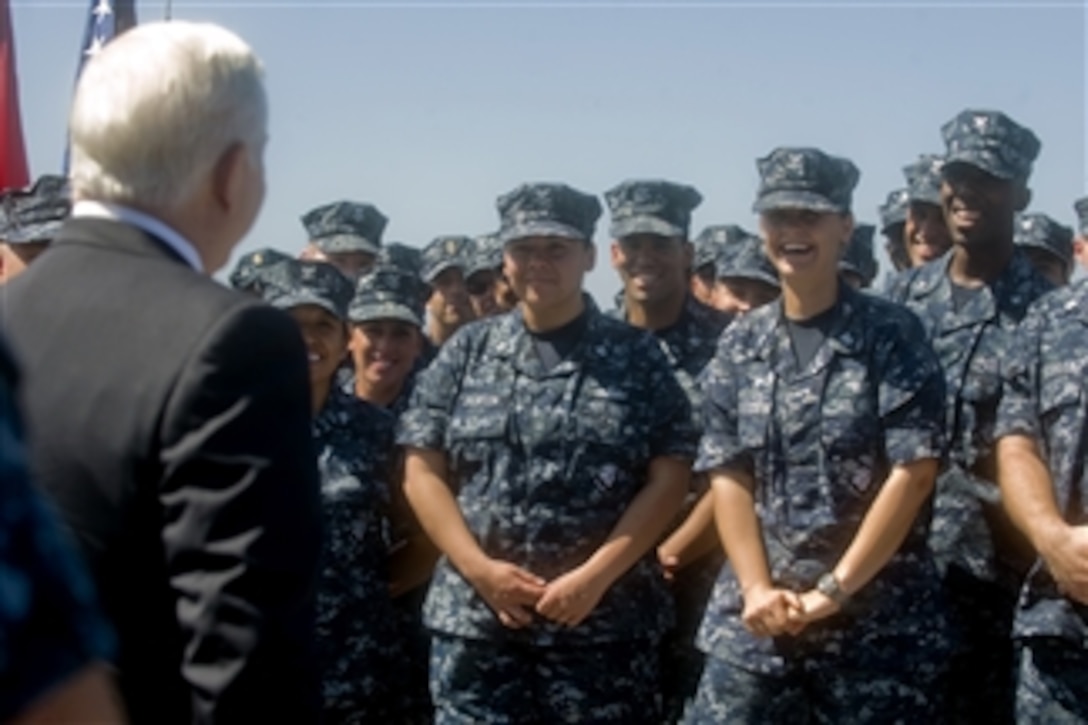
(105, 20)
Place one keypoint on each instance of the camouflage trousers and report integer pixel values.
(681, 660)
(883, 686)
(1053, 682)
(475, 681)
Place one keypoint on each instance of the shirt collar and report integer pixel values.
(101, 210)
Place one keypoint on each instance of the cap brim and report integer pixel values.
(429, 273)
(295, 299)
(1042, 247)
(806, 200)
(888, 223)
(344, 243)
(645, 225)
(925, 196)
(987, 161)
(34, 233)
(753, 276)
(384, 311)
(540, 229)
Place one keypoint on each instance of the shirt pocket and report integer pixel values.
(1059, 402)
(609, 448)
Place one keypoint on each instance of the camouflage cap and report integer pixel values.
(248, 274)
(991, 141)
(1043, 232)
(387, 293)
(924, 179)
(443, 253)
(345, 226)
(651, 207)
(485, 254)
(293, 283)
(547, 210)
(805, 178)
(36, 213)
(894, 209)
(746, 259)
(408, 259)
(858, 256)
(713, 240)
(1081, 208)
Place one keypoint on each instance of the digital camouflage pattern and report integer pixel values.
(345, 226)
(820, 442)
(894, 209)
(971, 344)
(1040, 231)
(484, 682)
(715, 240)
(35, 214)
(547, 210)
(1046, 381)
(293, 283)
(358, 632)
(544, 462)
(1051, 682)
(651, 207)
(924, 179)
(1081, 208)
(805, 178)
(858, 255)
(407, 259)
(249, 273)
(747, 259)
(991, 141)
(387, 293)
(486, 254)
(445, 253)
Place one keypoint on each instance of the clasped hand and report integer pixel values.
(515, 594)
(773, 612)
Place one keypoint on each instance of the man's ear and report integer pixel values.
(1021, 197)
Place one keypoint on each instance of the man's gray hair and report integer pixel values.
(156, 109)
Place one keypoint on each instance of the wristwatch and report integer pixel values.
(829, 586)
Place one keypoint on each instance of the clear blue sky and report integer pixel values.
(430, 111)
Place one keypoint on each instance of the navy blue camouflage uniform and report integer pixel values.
(980, 555)
(1046, 399)
(819, 443)
(1040, 232)
(664, 208)
(544, 461)
(819, 439)
(50, 626)
(358, 632)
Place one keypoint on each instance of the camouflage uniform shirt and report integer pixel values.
(972, 345)
(1046, 398)
(819, 443)
(544, 463)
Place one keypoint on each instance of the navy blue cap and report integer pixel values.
(547, 210)
(991, 141)
(805, 178)
(294, 283)
(36, 213)
(651, 207)
(387, 293)
(345, 226)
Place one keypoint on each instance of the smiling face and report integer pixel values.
(653, 267)
(385, 351)
(326, 340)
(805, 245)
(925, 234)
(979, 208)
(547, 272)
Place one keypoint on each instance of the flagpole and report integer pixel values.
(169, 9)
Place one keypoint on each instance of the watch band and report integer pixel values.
(829, 586)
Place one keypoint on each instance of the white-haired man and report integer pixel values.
(170, 416)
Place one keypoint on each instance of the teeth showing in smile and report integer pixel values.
(796, 248)
(314, 357)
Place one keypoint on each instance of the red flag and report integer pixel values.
(14, 172)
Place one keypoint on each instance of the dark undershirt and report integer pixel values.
(553, 346)
(806, 336)
(962, 295)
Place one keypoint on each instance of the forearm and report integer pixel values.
(644, 521)
(695, 537)
(1027, 490)
(739, 529)
(437, 511)
(886, 524)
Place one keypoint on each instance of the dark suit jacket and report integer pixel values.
(169, 420)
